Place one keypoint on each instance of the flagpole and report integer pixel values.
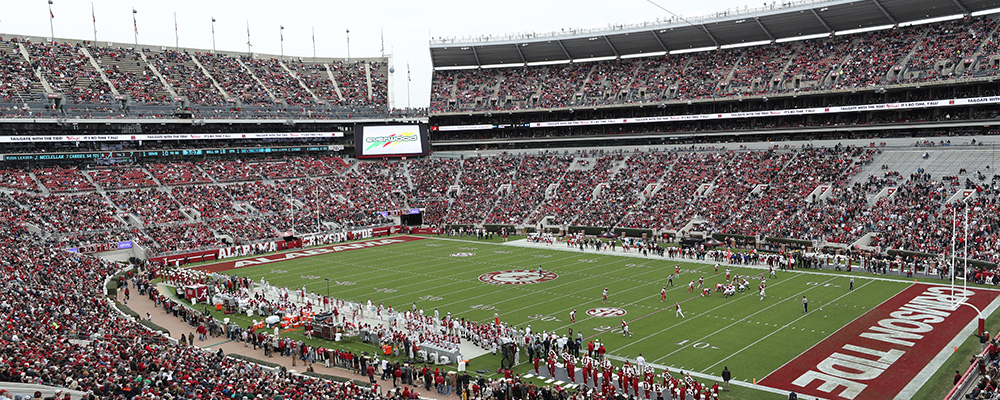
(177, 37)
(248, 37)
(348, 33)
(213, 35)
(314, 44)
(93, 16)
(135, 25)
(281, 32)
(52, 28)
(407, 84)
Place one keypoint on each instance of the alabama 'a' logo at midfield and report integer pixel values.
(517, 277)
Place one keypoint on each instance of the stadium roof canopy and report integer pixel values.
(762, 25)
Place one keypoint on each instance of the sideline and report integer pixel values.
(865, 275)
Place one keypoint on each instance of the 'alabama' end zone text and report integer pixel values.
(878, 354)
(336, 248)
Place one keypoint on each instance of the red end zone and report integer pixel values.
(316, 251)
(878, 354)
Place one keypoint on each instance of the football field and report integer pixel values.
(757, 339)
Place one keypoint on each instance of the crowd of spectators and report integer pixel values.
(70, 214)
(431, 179)
(209, 201)
(531, 179)
(802, 193)
(170, 238)
(17, 78)
(69, 71)
(58, 179)
(230, 171)
(627, 189)
(178, 173)
(283, 85)
(17, 179)
(573, 196)
(919, 53)
(316, 78)
(235, 79)
(152, 206)
(130, 74)
(186, 78)
(479, 183)
(122, 178)
(352, 79)
(321, 165)
(678, 191)
(68, 335)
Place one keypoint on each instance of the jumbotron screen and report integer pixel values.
(390, 140)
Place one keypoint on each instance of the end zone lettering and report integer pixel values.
(868, 358)
(332, 248)
(315, 252)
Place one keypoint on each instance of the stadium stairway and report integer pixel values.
(38, 73)
(41, 188)
(100, 71)
(906, 59)
(408, 177)
(270, 94)
(97, 187)
(159, 185)
(163, 80)
(333, 81)
(204, 70)
(368, 79)
(297, 79)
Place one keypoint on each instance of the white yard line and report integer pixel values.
(794, 297)
(831, 334)
(783, 327)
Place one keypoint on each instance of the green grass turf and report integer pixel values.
(750, 336)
